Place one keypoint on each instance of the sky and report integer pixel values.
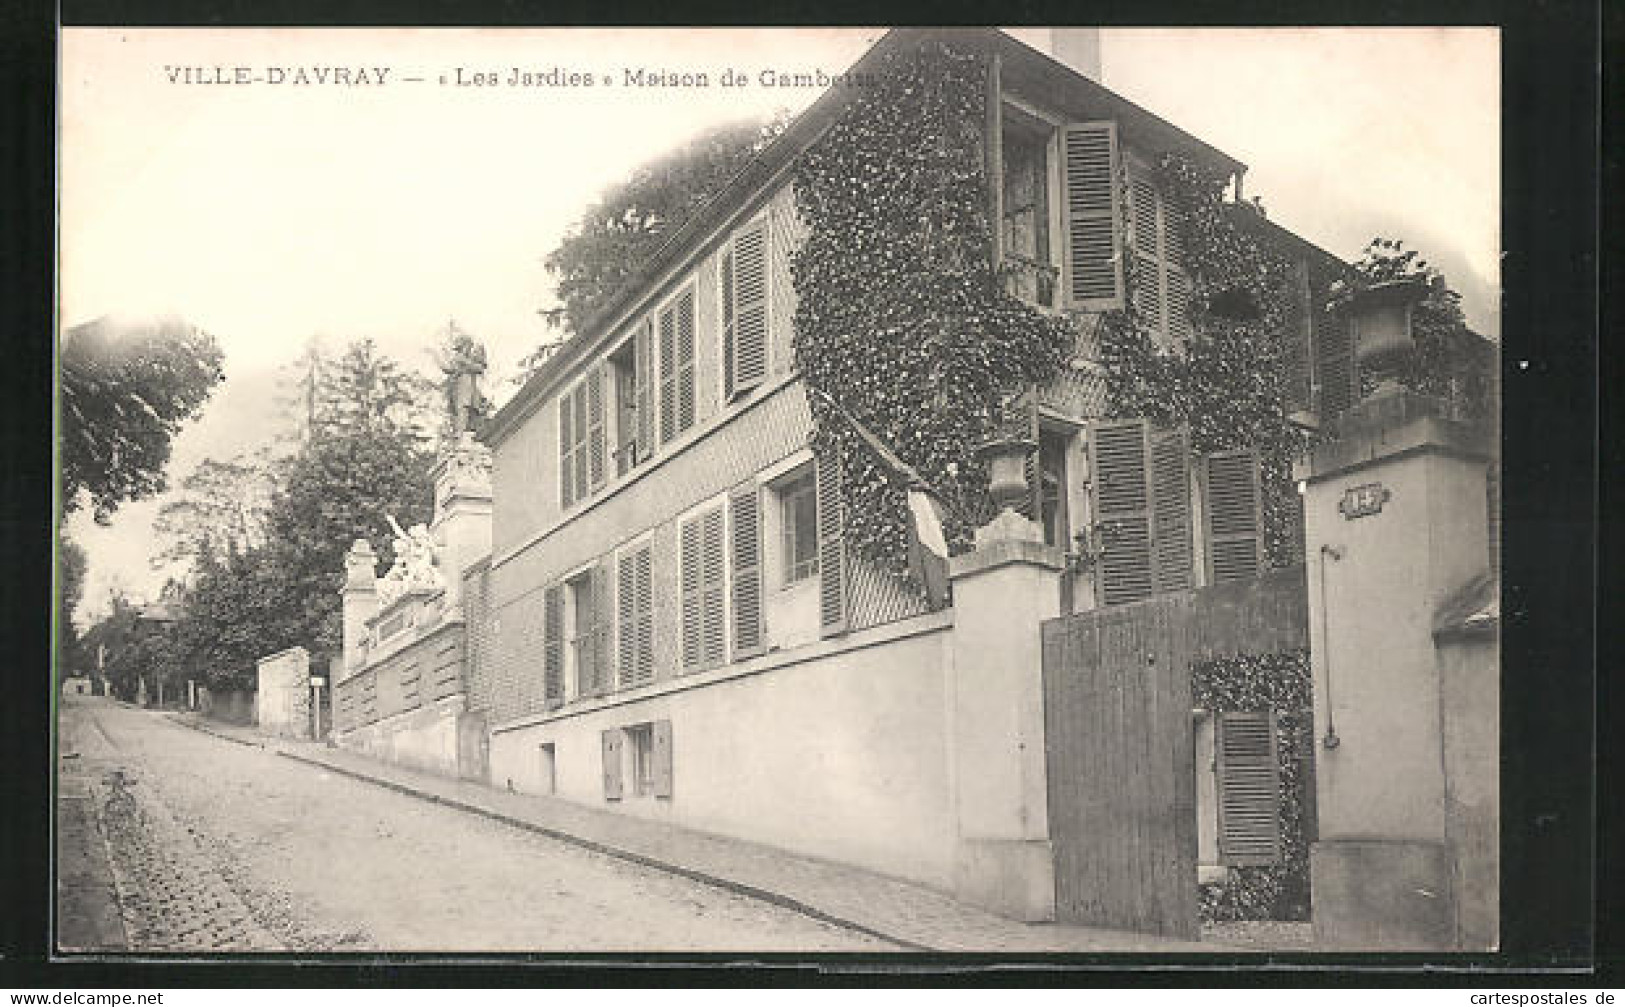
(272, 213)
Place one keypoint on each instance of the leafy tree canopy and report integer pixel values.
(617, 234)
(126, 391)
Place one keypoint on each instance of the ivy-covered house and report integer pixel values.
(697, 605)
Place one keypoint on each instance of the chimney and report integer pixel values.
(1078, 48)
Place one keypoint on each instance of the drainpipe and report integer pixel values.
(1333, 552)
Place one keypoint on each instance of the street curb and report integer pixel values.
(174, 718)
(713, 880)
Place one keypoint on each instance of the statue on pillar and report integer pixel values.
(462, 361)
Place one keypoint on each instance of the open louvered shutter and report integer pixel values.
(1122, 492)
(728, 296)
(1234, 533)
(1337, 378)
(597, 445)
(832, 614)
(578, 453)
(1297, 378)
(661, 738)
(1176, 284)
(1249, 789)
(643, 363)
(603, 673)
(685, 361)
(553, 645)
(714, 632)
(668, 374)
(1146, 233)
(1170, 511)
(1094, 267)
(612, 740)
(567, 472)
(747, 571)
(748, 364)
(692, 589)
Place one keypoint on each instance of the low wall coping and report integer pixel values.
(281, 654)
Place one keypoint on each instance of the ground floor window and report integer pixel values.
(640, 739)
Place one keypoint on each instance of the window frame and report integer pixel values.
(801, 484)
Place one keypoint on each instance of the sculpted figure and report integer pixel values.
(463, 362)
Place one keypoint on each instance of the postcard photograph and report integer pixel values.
(824, 491)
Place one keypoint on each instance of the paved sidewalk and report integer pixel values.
(911, 916)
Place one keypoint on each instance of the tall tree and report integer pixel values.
(619, 232)
(220, 505)
(126, 391)
(70, 586)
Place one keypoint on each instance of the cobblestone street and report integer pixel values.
(214, 845)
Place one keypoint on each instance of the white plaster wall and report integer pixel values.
(843, 757)
(1386, 778)
(424, 738)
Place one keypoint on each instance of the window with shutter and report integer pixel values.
(603, 627)
(1094, 264)
(1234, 521)
(1122, 503)
(747, 571)
(636, 611)
(613, 781)
(685, 361)
(704, 585)
(745, 311)
(832, 616)
(1171, 511)
(1249, 789)
(668, 374)
(553, 645)
(676, 338)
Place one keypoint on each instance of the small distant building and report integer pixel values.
(76, 685)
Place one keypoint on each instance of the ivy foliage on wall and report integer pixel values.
(1226, 385)
(901, 317)
(1248, 684)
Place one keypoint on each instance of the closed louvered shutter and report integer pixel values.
(1249, 789)
(553, 645)
(1297, 371)
(643, 363)
(1336, 376)
(1234, 535)
(832, 615)
(578, 453)
(1094, 267)
(567, 472)
(612, 741)
(1170, 511)
(1118, 460)
(685, 361)
(635, 632)
(748, 360)
(747, 571)
(596, 430)
(668, 374)
(661, 739)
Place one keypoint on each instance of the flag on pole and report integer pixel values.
(927, 545)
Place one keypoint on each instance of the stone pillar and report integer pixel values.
(1003, 590)
(360, 604)
(1395, 527)
(462, 512)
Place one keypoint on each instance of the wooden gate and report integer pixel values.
(1119, 747)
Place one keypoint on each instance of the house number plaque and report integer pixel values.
(1364, 500)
